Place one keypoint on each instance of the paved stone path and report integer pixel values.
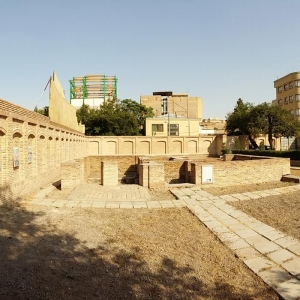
(271, 254)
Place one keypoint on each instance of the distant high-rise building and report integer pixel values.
(288, 93)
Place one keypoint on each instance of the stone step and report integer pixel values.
(290, 178)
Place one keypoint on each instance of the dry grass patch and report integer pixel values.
(226, 190)
(50, 253)
(279, 211)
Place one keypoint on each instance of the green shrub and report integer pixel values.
(292, 154)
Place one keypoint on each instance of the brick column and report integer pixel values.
(156, 176)
(109, 173)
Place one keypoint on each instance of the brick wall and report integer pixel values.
(243, 171)
(141, 145)
(42, 145)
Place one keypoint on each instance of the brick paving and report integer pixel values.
(271, 254)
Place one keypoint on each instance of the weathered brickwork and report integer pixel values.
(42, 147)
(36, 151)
(243, 171)
(109, 173)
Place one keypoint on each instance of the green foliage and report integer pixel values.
(264, 118)
(225, 149)
(114, 117)
(292, 154)
(239, 122)
(261, 146)
(237, 144)
(43, 111)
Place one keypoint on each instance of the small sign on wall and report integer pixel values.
(16, 159)
(29, 156)
(207, 174)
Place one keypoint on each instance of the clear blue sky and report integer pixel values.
(219, 50)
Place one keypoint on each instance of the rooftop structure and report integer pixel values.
(92, 90)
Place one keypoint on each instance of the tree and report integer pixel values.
(239, 122)
(140, 111)
(264, 119)
(114, 117)
(274, 121)
(43, 111)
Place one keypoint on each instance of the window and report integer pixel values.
(157, 127)
(280, 102)
(297, 111)
(290, 85)
(285, 87)
(291, 112)
(297, 82)
(286, 100)
(280, 89)
(291, 99)
(174, 129)
(297, 97)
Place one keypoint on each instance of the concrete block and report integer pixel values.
(282, 255)
(274, 276)
(289, 290)
(267, 247)
(286, 241)
(259, 263)
(256, 239)
(237, 244)
(293, 266)
(273, 234)
(295, 248)
(247, 253)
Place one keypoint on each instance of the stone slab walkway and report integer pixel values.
(271, 254)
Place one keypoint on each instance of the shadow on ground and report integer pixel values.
(68, 269)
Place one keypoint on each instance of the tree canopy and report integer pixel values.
(248, 119)
(43, 111)
(114, 117)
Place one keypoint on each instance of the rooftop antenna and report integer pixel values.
(43, 92)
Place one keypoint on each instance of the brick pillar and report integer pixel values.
(156, 176)
(196, 173)
(143, 175)
(109, 173)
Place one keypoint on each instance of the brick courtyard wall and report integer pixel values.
(142, 145)
(49, 145)
(243, 171)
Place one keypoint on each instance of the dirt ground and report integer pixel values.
(281, 212)
(51, 253)
(227, 190)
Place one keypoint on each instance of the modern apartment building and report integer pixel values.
(179, 104)
(288, 93)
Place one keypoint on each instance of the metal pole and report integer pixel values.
(43, 92)
(168, 124)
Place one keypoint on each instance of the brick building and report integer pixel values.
(179, 104)
(288, 93)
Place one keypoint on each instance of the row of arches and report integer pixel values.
(140, 146)
(25, 156)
